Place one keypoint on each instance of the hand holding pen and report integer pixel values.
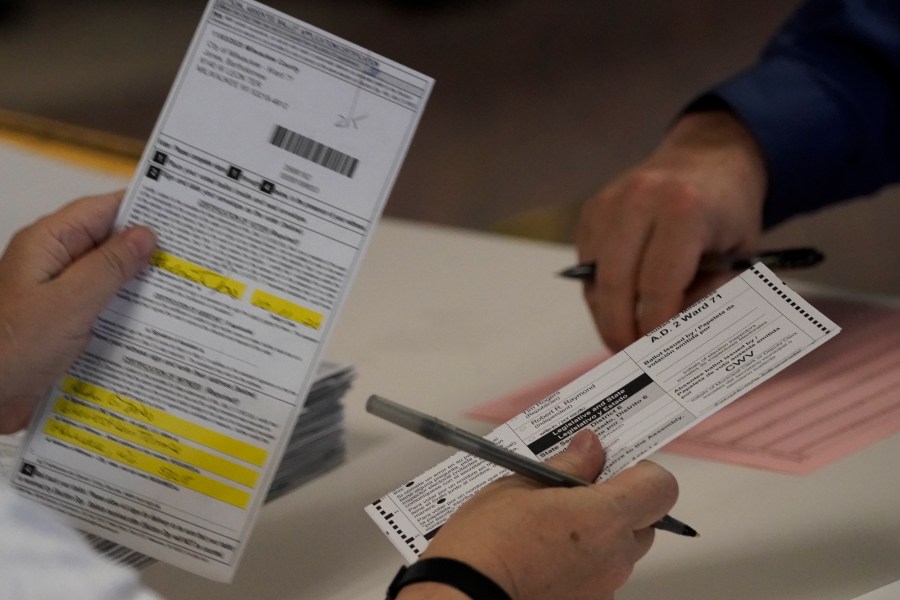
(533, 540)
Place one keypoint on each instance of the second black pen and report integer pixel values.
(790, 258)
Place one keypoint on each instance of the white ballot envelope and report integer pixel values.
(264, 178)
(636, 401)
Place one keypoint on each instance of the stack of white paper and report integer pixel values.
(317, 442)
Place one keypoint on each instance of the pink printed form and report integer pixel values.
(833, 402)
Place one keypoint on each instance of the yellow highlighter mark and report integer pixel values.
(141, 436)
(163, 421)
(287, 309)
(197, 274)
(146, 463)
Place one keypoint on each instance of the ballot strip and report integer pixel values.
(636, 401)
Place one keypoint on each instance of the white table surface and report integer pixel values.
(443, 319)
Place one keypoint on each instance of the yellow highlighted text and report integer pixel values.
(144, 462)
(287, 309)
(163, 421)
(156, 442)
(197, 274)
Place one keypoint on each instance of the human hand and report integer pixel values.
(56, 276)
(700, 191)
(538, 542)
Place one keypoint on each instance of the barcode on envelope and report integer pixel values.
(314, 151)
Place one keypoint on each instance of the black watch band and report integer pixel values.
(450, 572)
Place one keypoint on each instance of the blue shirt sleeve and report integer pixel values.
(823, 101)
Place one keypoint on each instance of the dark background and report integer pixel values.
(536, 105)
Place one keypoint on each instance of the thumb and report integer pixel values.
(97, 275)
(583, 458)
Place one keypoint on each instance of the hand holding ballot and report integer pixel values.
(538, 542)
(56, 276)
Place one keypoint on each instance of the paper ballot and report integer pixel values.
(637, 400)
(264, 178)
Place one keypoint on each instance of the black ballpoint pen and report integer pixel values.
(444, 433)
(790, 258)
